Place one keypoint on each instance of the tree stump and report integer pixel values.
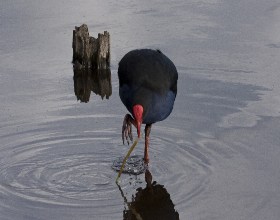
(89, 51)
(91, 64)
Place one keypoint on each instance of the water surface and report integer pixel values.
(217, 155)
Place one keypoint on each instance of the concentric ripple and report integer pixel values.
(75, 170)
(68, 171)
(178, 165)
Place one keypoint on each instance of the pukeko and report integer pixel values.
(148, 88)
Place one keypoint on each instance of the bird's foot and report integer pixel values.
(127, 128)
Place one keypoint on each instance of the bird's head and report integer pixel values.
(138, 116)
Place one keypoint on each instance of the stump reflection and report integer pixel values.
(95, 80)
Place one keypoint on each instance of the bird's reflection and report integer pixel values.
(151, 203)
(87, 80)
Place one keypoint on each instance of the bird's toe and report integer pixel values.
(127, 129)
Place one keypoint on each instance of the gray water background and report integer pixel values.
(218, 152)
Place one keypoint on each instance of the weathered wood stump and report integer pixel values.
(89, 51)
(91, 64)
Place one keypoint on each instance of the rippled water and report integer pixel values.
(215, 157)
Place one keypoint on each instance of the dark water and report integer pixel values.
(216, 156)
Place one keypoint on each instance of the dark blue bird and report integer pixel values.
(148, 88)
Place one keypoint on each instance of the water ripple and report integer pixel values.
(55, 172)
(75, 170)
(183, 169)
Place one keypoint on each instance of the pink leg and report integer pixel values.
(147, 142)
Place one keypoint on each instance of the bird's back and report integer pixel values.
(148, 68)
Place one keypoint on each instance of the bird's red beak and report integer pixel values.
(138, 116)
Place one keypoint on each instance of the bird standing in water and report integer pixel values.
(148, 88)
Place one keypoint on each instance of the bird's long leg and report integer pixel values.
(147, 142)
(128, 121)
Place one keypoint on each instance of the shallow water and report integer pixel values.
(217, 155)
